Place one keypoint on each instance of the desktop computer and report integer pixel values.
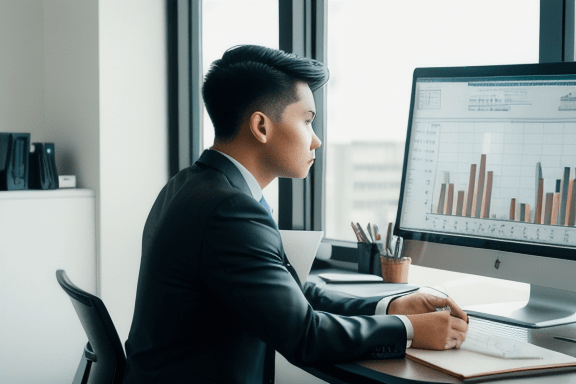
(489, 182)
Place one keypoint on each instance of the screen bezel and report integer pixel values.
(546, 69)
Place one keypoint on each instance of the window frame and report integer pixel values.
(184, 73)
(302, 30)
(302, 26)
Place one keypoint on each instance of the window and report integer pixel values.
(373, 48)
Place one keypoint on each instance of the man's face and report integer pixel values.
(292, 142)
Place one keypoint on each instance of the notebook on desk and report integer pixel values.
(360, 288)
(484, 356)
(470, 366)
(350, 278)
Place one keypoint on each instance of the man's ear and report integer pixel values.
(260, 126)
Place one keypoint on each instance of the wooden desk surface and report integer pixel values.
(466, 290)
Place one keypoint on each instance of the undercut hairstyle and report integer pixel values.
(250, 78)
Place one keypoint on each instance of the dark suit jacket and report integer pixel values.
(215, 288)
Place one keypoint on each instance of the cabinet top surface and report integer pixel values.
(47, 194)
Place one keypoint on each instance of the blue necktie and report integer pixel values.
(265, 205)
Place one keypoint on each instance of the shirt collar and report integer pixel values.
(248, 177)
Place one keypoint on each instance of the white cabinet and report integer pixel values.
(41, 339)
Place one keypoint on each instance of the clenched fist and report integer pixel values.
(438, 330)
(433, 329)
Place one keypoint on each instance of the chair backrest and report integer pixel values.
(104, 352)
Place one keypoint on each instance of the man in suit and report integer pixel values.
(216, 294)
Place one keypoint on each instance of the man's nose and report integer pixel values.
(316, 143)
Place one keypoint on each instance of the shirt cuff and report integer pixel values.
(382, 306)
(409, 329)
(382, 309)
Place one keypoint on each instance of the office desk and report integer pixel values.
(466, 290)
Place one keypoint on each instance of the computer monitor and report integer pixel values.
(489, 181)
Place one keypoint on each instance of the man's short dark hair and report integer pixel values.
(250, 78)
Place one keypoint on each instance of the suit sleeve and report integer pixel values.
(242, 265)
(338, 302)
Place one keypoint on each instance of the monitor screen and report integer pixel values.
(490, 160)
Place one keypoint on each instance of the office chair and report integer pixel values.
(103, 360)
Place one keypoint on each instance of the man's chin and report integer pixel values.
(302, 174)
(297, 176)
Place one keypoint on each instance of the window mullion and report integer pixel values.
(556, 30)
(185, 106)
(196, 79)
(302, 34)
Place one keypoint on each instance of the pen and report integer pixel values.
(389, 239)
(370, 233)
(376, 233)
(565, 339)
(358, 237)
(398, 248)
(446, 308)
(362, 233)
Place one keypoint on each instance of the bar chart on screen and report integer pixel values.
(503, 179)
(557, 207)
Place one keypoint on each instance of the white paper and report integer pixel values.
(471, 364)
(300, 248)
(494, 345)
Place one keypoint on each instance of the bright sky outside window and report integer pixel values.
(373, 48)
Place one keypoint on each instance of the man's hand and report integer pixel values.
(418, 303)
(433, 329)
(438, 330)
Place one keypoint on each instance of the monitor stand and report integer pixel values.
(546, 307)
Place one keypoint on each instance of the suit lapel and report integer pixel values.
(221, 163)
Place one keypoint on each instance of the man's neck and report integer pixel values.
(245, 154)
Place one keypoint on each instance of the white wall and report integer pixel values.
(90, 76)
(133, 141)
(71, 98)
(21, 66)
(49, 79)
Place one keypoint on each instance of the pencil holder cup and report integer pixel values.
(368, 258)
(395, 270)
